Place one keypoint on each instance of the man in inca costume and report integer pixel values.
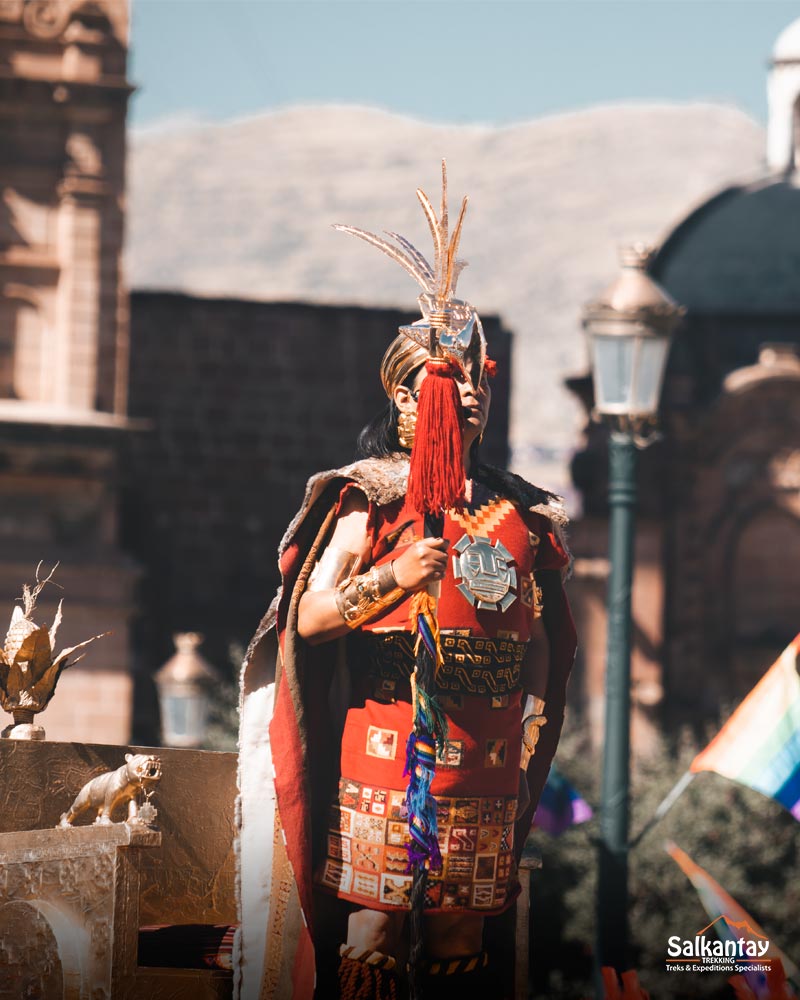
(389, 776)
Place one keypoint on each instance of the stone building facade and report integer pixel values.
(64, 337)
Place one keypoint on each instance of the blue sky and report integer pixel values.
(470, 61)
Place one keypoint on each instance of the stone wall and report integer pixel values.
(246, 400)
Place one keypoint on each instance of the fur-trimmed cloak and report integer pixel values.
(286, 739)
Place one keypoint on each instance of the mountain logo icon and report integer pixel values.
(740, 928)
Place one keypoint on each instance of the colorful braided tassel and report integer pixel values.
(429, 730)
(426, 627)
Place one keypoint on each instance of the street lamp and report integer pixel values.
(184, 684)
(629, 328)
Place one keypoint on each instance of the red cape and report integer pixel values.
(275, 953)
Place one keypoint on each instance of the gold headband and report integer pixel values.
(402, 357)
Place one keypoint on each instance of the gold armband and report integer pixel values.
(359, 600)
(334, 566)
(531, 729)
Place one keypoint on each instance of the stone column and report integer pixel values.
(78, 300)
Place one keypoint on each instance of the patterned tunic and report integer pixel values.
(489, 598)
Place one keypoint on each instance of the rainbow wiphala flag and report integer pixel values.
(759, 745)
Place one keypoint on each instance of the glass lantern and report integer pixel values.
(184, 692)
(629, 330)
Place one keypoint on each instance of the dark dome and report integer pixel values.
(739, 252)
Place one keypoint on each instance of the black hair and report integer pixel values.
(509, 484)
(379, 438)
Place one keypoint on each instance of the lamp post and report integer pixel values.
(629, 328)
(184, 684)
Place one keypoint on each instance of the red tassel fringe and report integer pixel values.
(436, 478)
(490, 367)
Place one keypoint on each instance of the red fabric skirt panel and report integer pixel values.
(481, 757)
(476, 787)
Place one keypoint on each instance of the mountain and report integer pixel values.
(245, 209)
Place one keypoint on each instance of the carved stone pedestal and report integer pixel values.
(69, 907)
(72, 900)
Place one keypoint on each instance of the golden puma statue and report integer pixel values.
(106, 791)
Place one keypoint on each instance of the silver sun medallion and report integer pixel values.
(484, 574)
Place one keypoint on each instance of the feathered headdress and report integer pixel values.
(451, 333)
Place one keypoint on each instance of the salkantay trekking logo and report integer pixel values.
(735, 948)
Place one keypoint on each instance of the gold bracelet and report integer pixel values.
(359, 600)
(531, 729)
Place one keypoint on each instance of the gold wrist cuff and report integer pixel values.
(531, 730)
(359, 600)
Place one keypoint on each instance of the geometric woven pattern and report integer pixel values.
(367, 859)
(484, 519)
(472, 664)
